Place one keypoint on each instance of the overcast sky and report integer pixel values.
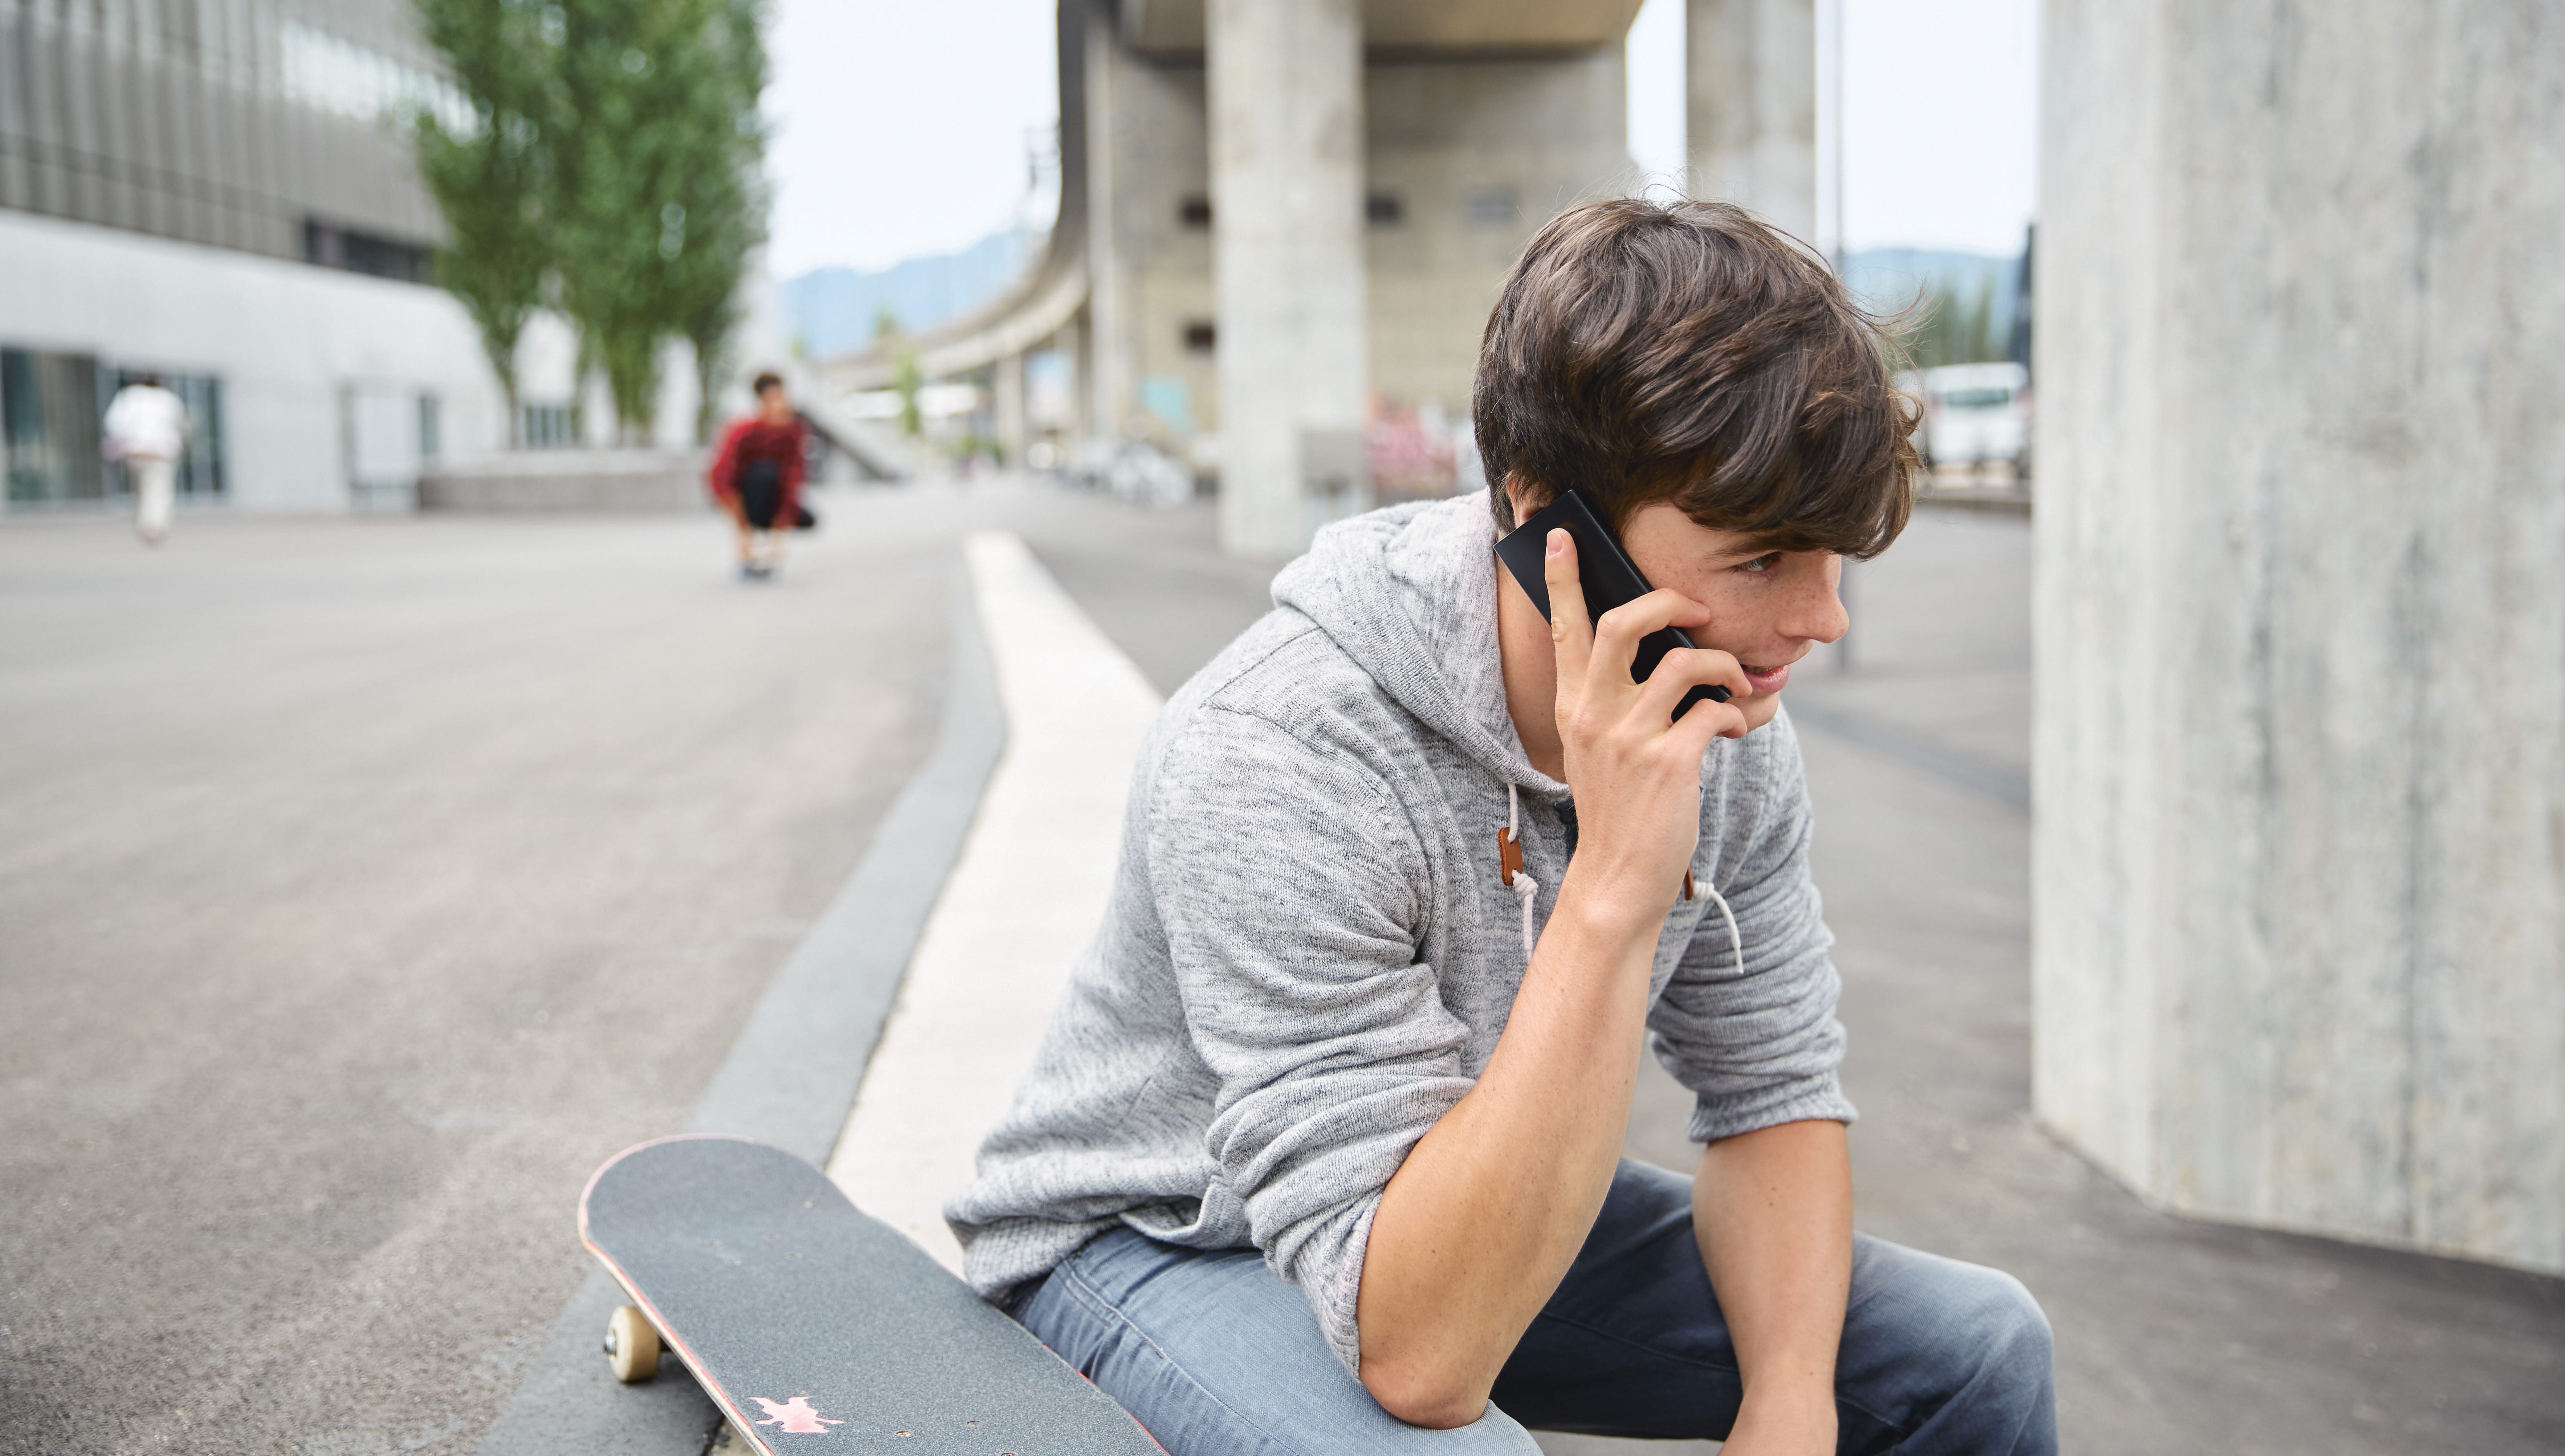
(900, 128)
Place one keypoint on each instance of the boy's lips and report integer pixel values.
(1765, 679)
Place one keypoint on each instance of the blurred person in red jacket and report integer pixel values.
(757, 476)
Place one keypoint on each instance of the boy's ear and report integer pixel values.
(1524, 497)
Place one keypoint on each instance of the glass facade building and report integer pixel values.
(265, 129)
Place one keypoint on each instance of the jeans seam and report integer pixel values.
(1098, 1305)
(1628, 1343)
(1903, 1428)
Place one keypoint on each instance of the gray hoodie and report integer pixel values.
(1311, 950)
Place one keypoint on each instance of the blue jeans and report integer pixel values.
(1216, 1356)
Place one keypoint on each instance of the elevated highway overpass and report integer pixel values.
(1311, 206)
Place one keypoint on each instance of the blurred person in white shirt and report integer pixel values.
(146, 428)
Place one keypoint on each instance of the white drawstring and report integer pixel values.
(1521, 880)
(1526, 889)
(1736, 942)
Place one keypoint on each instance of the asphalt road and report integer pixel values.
(366, 884)
(369, 881)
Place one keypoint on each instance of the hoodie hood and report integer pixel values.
(1410, 595)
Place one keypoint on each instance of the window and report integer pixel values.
(200, 465)
(1490, 206)
(379, 442)
(1200, 335)
(1193, 211)
(50, 407)
(323, 71)
(1384, 209)
(331, 246)
(52, 415)
(544, 428)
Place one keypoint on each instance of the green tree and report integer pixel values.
(908, 379)
(1955, 333)
(622, 138)
(489, 179)
(611, 96)
(906, 375)
(714, 221)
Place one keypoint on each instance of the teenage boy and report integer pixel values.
(1321, 1150)
(756, 475)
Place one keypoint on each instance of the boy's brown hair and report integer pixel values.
(1689, 353)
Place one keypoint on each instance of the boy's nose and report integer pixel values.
(1819, 612)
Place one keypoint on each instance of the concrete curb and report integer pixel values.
(2000, 503)
(1018, 911)
(828, 1004)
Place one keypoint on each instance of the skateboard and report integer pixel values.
(815, 1327)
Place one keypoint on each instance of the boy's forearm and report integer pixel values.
(1773, 1210)
(1481, 1221)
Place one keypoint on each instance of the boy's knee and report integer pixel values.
(2002, 1323)
(1493, 1433)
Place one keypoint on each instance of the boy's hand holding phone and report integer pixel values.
(1635, 767)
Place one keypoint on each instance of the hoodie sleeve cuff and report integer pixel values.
(1816, 1098)
(1335, 1294)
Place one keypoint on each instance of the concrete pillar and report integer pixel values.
(1108, 336)
(1751, 112)
(1287, 147)
(1009, 387)
(2299, 607)
(1071, 342)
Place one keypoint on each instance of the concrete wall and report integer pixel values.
(1154, 153)
(588, 481)
(2301, 605)
(1286, 162)
(1471, 153)
(286, 339)
(1477, 153)
(1446, 138)
(1751, 106)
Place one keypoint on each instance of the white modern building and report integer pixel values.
(217, 193)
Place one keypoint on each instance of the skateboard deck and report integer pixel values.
(816, 1328)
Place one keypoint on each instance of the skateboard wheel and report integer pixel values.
(631, 1345)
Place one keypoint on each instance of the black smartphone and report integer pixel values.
(1603, 570)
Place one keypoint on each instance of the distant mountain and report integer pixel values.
(832, 310)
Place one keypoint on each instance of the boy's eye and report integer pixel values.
(1763, 563)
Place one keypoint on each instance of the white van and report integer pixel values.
(1974, 413)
